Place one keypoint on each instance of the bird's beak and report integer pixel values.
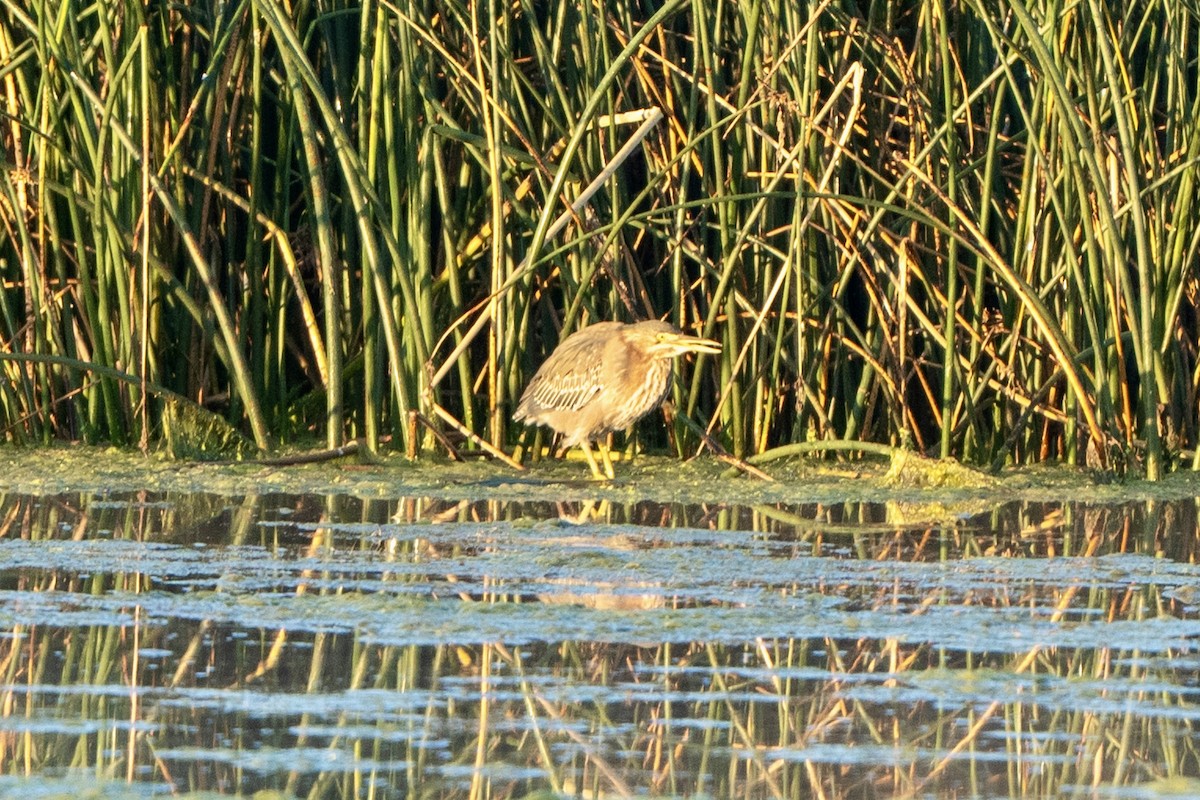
(694, 344)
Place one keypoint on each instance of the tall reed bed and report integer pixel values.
(969, 228)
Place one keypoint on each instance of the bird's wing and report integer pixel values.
(570, 377)
(567, 389)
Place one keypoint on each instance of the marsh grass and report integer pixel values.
(968, 228)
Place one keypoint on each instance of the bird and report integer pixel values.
(604, 378)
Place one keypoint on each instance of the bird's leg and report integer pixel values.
(591, 459)
(606, 457)
(591, 510)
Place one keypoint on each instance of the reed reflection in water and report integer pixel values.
(333, 647)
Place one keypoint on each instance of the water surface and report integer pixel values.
(193, 643)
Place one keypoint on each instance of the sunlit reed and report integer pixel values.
(964, 228)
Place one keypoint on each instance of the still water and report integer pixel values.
(190, 644)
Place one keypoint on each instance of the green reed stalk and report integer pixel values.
(1147, 332)
(328, 265)
(362, 199)
(949, 74)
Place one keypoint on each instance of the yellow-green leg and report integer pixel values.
(591, 459)
(606, 457)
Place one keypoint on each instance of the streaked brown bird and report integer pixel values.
(604, 378)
